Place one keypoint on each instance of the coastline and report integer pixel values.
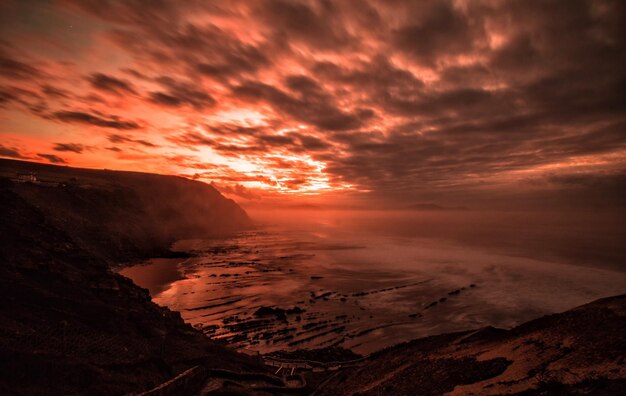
(67, 321)
(70, 324)
(265, 291)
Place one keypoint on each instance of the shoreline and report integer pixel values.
(67, 321)
(280, 299)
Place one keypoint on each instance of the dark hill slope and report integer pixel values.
(123, 215)
(578, 352)
(68, 325)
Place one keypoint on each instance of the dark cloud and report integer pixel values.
(313, 143)
(314, 24)
(193, 139)
(234, 56)
(11, 152)
(584, 189)
(277, 140)
(539, 99)
(179, 94)
(55, 92)
(374, 77)
(110, 84)
(308, 103)
(165, 99)
(116, 138)
(6, 97)
(25, 97)
(436, 29)
(104, 121)
(52, 158)
(394, 97)
(202, 50)
(73, 147)
(16, 69)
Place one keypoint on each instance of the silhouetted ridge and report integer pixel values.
(68, 324)
(124, 215)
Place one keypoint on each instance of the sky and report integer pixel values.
(386, 103)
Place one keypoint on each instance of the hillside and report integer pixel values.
(578, 352)
(123, 215)
(68, 325)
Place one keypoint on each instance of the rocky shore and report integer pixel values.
(578, 352)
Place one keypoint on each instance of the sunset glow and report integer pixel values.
(398, 99)
(313, 197)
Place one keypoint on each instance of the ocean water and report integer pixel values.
(367, 280)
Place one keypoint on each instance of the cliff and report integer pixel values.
(120, 216)
(68, 325)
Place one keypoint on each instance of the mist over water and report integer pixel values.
(370, 279)
(592, 238)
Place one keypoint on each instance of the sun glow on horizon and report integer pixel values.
(307, 98)
(276, 173)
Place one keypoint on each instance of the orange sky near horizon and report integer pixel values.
(402, 101)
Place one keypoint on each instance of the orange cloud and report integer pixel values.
(305, 97)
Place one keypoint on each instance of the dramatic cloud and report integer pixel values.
(403, 100)
(16, 69)
(52, 158)
(179, 94)
(11, 152)
(310, 104)
(104, 121)
(115, 138)
(111, 84)
(73, 147)
(439, 30)
(52, 91)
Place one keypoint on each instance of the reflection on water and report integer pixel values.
(155, 275)
(328, 285)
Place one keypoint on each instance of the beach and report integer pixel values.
(285, 288)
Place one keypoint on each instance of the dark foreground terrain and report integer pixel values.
(578, 352)
(70, 325)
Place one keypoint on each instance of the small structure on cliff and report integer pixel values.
(30, 177)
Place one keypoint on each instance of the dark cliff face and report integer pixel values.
(120, 216)
(68, 325)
